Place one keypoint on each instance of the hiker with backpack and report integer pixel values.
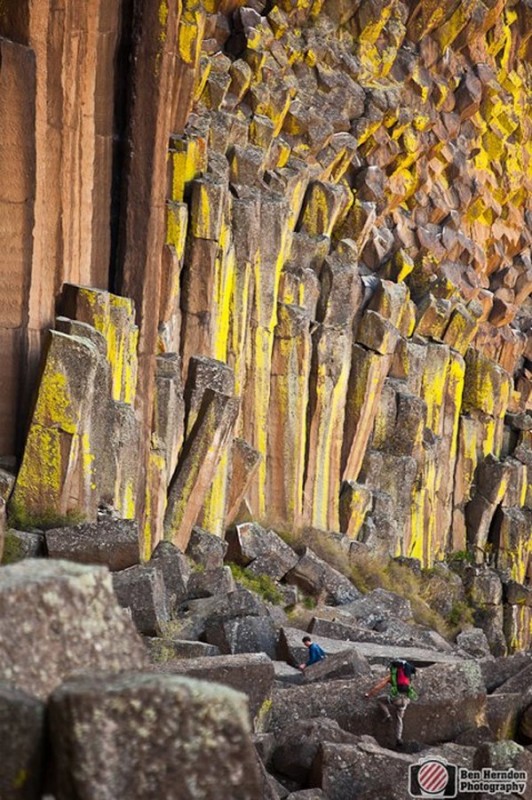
(400, 693)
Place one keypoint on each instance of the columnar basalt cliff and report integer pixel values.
(285, 253)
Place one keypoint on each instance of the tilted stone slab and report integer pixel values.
(65, 617)
(51, 474)
(345, 664)
(111, 542)
(252, 674)
(210, 583)
(197, 465)
(294, 651)
(245, 462)
(23, 744)
(138, 735)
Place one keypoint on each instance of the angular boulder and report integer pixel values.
(206, 549)
(244, 635)
(142, 590)
(317, 578)
(142, 735)
(363, 770)
(175, 570)
(251, 674)
(346, 664)
(111, 542)
(59, 617)
(263, 551)
(299, 743)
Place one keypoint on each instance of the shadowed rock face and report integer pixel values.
(317, 221)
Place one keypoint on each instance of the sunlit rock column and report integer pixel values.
(49, 480)
(287, 418)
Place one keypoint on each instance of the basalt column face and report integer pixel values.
(319, 307)
(56, 139)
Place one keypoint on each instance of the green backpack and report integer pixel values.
(401, 673)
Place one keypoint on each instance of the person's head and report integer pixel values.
(307, 641)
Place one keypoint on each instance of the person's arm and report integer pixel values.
(378, 686)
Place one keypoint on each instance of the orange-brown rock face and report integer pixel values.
(324, 226)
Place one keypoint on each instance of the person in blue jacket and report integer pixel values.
(315, 653)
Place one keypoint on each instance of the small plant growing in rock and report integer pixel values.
(260, 584)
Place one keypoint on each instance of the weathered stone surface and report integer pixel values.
(338, 767)
(316, 577)
(175, 569)
(23, 749)
(143, 750)
(251, 674)
(141, 589)
(474, 642)
(67, 618)
(111, 542)
(19, 545)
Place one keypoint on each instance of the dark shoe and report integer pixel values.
(399, 744)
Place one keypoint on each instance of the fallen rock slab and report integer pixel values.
(141, 735)
(251, 674)
(346, 664)
(112, 542)
(22, 737)
(292, 649)
(59, 617)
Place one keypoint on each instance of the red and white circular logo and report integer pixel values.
(433, 777)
